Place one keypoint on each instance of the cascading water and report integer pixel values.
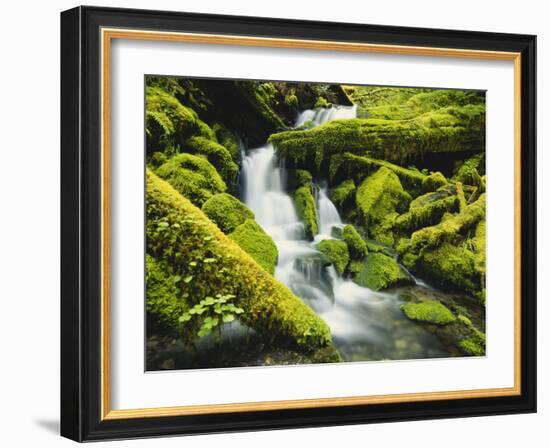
(364, 324)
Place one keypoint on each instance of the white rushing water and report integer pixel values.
(357, 316)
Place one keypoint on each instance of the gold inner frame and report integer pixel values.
(107, 35)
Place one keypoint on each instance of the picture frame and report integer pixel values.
(86, 279)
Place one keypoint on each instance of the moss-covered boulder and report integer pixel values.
(432, 311)
(303, 178)
(193, 176)
(380, 199)
(356, 245)
(168, 123)
(217, 155)
(253, 240)
(336, 252)
(228, 140)
(226, 211)
(205, 263)
(307, 210)
(343, 195)
(452, 268)
(380, 272)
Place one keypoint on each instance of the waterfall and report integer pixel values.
(327, 214)
(300, 265)
(358, 318)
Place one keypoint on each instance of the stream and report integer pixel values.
(365, 324)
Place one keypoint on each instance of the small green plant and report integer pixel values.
(212, 312)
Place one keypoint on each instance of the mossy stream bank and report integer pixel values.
(310, 248)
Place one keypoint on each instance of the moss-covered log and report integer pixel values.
(205, 262)
(451, 129)
(347, 165)
(428, 215)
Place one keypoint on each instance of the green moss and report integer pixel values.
(432, 311)
(164, 302)
(307, 211)
(303, 178)
(472, 347)
(433, 182)
(356, 245)
(337, 252)
(356, 167)
(381, 272)
(406, 103)
(452, 267)
(253, 240)
(468, 173)
(217, 155)
(445, 130)
(479, 243)
(226, 211)
(322, 103)
(228, 140)
(262, 98)
(343, 195)
(428, 215)
(193, 176)
(448, 230)
(210, 263)
(168, 123)
(380, 199)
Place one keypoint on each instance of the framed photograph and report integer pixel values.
(275, 224)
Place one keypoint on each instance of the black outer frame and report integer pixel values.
(81, 223)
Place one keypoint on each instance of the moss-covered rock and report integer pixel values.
(217, 155)
(433, 182)
(303, 178)
(356, 245)
(193, 176)
(337, 253)
(380, 199)
(380, 271)
(206, 263)
(307, 210)
(343, 195)
(452, 268)
(472, 347)
(253, 240)
(168, 123)
(228, 140)
(226, 211)
(432, 311)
